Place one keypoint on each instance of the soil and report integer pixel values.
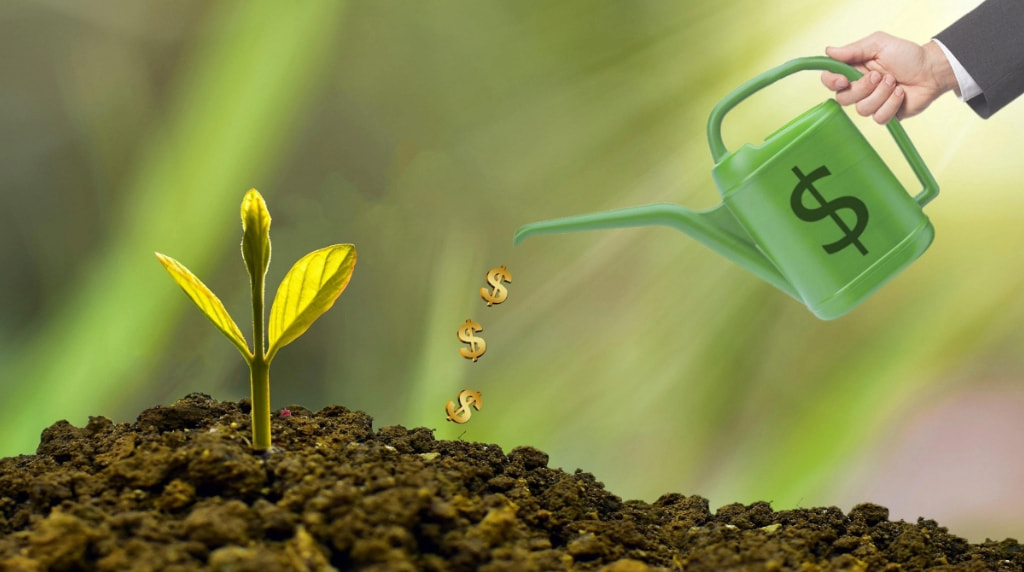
(181, 489)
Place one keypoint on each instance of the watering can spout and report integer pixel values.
(716, 228)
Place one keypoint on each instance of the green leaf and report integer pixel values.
(207, 302)
(307, 291)
(255, 235)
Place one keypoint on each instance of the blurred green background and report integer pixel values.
(426, 133)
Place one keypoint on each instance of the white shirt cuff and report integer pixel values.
(969, 89)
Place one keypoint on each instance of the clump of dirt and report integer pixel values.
(181, 489)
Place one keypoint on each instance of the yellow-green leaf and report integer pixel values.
(307, 291)
(255, 235)
(207, 302)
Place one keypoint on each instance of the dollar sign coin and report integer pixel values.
(498, 293)
(477, 345)
(804, 184)
(467, 397)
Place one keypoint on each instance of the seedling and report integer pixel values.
(307, 291)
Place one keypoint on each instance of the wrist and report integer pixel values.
(939, 68)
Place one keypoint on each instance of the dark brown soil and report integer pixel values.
(180, 489)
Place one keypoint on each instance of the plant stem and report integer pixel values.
(259, 383)
(259, 370)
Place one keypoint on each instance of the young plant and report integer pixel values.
(307, 291)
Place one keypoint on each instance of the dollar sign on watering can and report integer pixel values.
(829, 209)
(813, 210)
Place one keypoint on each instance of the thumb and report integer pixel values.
(858, 52)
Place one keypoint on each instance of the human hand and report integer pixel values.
(900, 79)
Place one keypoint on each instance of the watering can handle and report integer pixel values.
(718, 150)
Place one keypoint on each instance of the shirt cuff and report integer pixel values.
(969, 89)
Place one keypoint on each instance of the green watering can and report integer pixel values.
(813, 210)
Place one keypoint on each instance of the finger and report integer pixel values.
(860, 51)
(859, 89)
(834, 81)
(883, 89)
(891, 107)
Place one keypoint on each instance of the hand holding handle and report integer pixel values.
(718, 150)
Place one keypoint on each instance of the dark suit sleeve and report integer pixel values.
(989, 43)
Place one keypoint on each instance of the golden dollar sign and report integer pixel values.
(498, 293)
(467, 397)
(477, 345)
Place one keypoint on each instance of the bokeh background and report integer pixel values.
(426, 133)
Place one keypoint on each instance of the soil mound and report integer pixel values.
(180, 490)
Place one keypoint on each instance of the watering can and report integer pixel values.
(813, 210)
